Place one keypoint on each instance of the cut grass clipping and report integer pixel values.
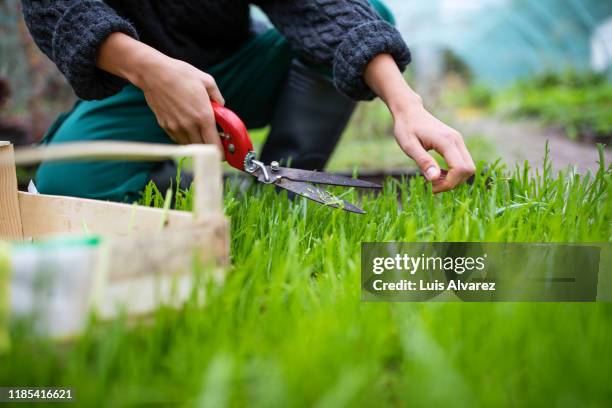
(288, 327)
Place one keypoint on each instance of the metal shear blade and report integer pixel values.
(314, 193)
(297, 181)
(307, 176)
(322, 178)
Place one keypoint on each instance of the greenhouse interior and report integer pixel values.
(147, 259)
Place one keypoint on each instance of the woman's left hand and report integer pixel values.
(416, 130)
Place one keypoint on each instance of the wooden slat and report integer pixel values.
(10, 217)
(208, 192)
(45, 216)
(169, 252)
(138, 270)
(132, 151)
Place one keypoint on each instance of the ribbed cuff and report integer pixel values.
(76, 40)
(360, 46)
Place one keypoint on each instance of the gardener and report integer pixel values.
(301, 78)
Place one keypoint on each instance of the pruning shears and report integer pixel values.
(239, 153)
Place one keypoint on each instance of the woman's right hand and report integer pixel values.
(178, 93)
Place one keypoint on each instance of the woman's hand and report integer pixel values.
(416, 130)
(178, 93)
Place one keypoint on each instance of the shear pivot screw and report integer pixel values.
(274, 166)
(231, 148)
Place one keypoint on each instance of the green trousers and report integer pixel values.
(250, 81)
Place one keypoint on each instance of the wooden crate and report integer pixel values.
(145, 256)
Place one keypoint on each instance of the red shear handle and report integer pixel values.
(235, 138)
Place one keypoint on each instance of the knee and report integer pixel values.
(384, 11)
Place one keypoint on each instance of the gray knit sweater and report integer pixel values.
(343, 34)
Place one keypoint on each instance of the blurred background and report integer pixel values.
(509, 74)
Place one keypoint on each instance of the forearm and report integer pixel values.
(125, 57)
(384, 78)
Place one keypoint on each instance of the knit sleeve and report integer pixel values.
(343, 34)
(70, 32)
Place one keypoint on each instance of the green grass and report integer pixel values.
(288, 327)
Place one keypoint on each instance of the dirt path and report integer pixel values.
(519, 141)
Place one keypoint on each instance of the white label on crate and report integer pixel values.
(53, 285)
